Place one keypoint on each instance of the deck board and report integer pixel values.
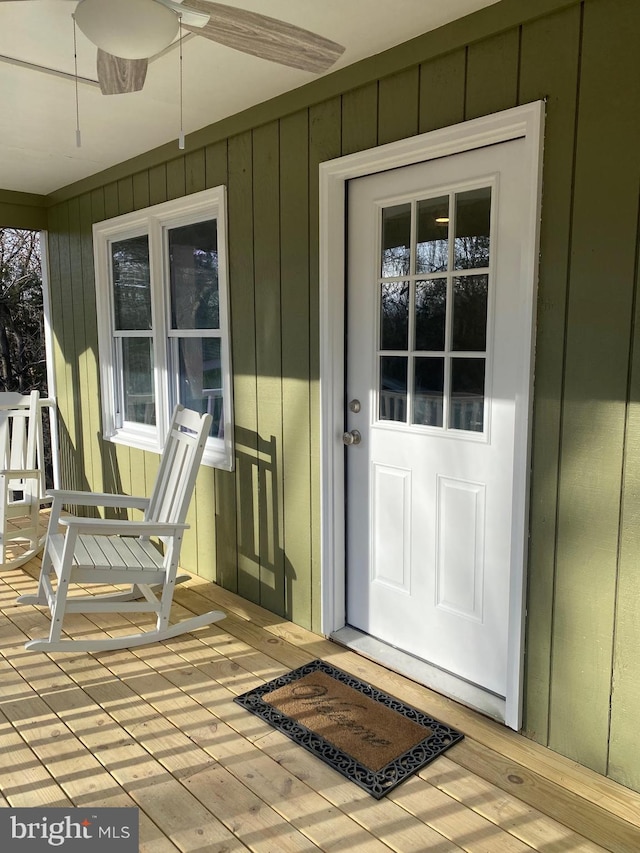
(543, 776)
(157, 727)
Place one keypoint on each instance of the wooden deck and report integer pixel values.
(157, 728)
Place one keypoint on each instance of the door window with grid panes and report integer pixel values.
(434, 291)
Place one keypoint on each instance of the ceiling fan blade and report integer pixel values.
(189, 16)
(118, 76)
(266, 37)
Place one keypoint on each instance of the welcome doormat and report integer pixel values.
(370, 737)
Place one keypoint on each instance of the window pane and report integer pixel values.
(396, 240)
(137, 381)
(131, 286)
(467, 394)
(200, 378)
(394, 315)
(470, 313)
(393, 388)
(428, 391)
(193, 264)
(473, 219)
(432, 250)
(431, 309)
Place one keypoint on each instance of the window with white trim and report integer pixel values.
(163, 321)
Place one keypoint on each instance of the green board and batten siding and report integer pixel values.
(256, 530)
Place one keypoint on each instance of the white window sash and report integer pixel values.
(156, 222)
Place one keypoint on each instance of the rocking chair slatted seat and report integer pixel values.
(22, 477)
(116, 552)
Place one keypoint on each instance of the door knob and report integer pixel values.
(352, 437)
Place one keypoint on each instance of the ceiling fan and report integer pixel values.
(128, 32)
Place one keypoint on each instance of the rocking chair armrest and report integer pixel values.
(68, 496)
(115, 527)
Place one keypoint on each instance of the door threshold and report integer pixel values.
(424, 673)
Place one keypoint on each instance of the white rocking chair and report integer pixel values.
(107, 551)
(22, 479)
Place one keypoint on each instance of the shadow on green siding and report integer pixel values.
(260, 537)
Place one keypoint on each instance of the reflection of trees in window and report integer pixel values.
(431, 308)
(131, 283)
(396, 241)
(470, 313)
(432, 247)
(193, 274)
(395, 262)
(193, 262)
(432, 256)
(473, 224)
(446, 310)
(394, 315)
(471, 252)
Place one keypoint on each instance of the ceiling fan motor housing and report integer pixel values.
(130, 29)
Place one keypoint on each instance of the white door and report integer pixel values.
(437, 312)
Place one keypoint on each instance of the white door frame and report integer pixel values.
(525, 122)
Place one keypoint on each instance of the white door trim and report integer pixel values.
(526, 122)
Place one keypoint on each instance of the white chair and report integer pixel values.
(22, 477)
(107, 551)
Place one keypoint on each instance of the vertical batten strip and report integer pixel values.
(360, 119)
(597, 359)
(68, 380)
(492, 75)
(91, 367)
(80, 386)
(558, 37)
(623, 760)
(442, 91)
(294, 254)
(141, 190)
(266, 230)
(243, 342)
(176, 180)
(398, 106)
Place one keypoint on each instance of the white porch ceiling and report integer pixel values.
(38, 152)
